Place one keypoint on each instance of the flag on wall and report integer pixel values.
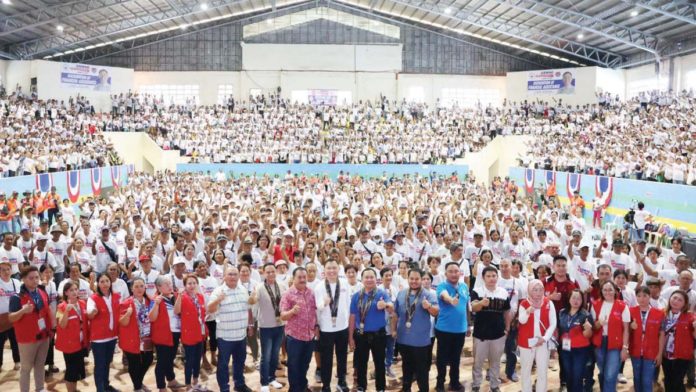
(44, 182)
(96, 177)
(572, 184)
(604, 189)
(529, 180)
(116, 176)
(73, 179)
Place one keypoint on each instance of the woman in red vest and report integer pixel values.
(679, 328)
(574, 333)
(72, 334)
(647, 340)
(190, 306)
(166, 330)
(102, 310)
(610, 334)
(537, 317)
(32, 321)
(134, 335)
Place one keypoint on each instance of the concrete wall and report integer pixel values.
(496, 158)
(137, 149)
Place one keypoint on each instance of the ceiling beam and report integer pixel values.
(683, 10)
(58, 13)
(61, 42)
(587, 23)
(531, 35)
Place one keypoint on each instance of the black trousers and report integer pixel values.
(415, 367)
(328, 342)
(366, 343)
(5, 336)
(138, 365)
(449, 352)
(52, 215)
(675, 370)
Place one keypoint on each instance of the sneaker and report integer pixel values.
(317, 376)
(514, 377)
(389, 373)
(265, 389)
(200, 388)
(439, 388)
(257, 365)
(622, 379)
(456, 388)
(146, 389)
(243, 388)
(53, 369)
(275, 384)
(342, 387)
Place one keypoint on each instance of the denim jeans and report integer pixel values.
(192, 361)
(389, 359)
(510, 355)
(271, 339)
(299, 356)
(103, 355)
(236, 350)
(608, 362)
(6, 226)
(574, 362)
(164, 368)
(643, 374)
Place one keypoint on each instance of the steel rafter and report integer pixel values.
(41, 16)
(614, 31)
(532, 35)
(683, 10)
(60, 42)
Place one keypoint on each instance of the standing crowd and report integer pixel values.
(186, 269)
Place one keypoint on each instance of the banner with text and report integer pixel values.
(551, 81)
(84, 76)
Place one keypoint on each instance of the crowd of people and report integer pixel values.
(39, 136)
(297, 269)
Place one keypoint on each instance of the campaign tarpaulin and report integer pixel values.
(323, 97)
(552, 81)
(85, 76)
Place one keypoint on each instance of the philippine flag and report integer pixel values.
(572, 184)
(604, 189)
(44, 182)
(116, 176)
(529, 181)
(73, 185)
(96, 177)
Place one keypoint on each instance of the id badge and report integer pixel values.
(565, 342)
(42, 324)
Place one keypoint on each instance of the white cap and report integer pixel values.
(586, 242)
(288, 233)
(178, 260)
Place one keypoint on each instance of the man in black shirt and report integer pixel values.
(491, 304)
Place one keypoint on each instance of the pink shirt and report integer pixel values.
(300, 326)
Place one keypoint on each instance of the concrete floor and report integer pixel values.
(120, 379)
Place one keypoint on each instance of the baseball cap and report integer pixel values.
(288, 233)
(222, 237)
(55, 228)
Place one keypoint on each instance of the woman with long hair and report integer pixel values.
(135, 337)
(537, 317)
(610, 334)
(574, 333)
(190, 306)
(679, 328)
(72, 334)
(102, 310)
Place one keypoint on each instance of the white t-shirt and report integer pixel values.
(84, 292)
(7, 290)
(619, 261)
(579, 271)
(150, 287)
(14, 256)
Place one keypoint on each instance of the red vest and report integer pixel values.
(129, 335)
(577, 339)
(645, 344)
(161, 331)
(68, 338)
(191, 319)
(615, 328)
(27, 328)
(99, 327)
(683, 337)
(526, 330)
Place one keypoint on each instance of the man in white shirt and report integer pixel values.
(583, 267)
(333, 310)
(8, 288)
(365, 247)
(11, 254)
(617, 259)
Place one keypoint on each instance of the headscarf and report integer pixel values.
(535, 302)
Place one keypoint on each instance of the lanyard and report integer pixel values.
(411, 306)
(333, 304)
(275, 296)
(364, 306)
(644, 318)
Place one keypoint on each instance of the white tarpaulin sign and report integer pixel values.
(84, 76)
(551, 81)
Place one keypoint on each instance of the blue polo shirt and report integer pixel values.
(451, 318)
(375, 319)
(419, 333)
